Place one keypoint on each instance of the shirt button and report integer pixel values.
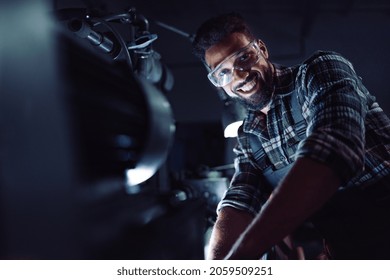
(282, 158)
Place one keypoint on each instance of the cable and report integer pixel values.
(175, 30)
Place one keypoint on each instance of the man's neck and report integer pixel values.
(265, 109)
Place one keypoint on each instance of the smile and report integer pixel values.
(249, 84)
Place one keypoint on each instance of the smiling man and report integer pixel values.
(314, 147)
(241, 67)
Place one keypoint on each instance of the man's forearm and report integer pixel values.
(305, 189)
(228, 227)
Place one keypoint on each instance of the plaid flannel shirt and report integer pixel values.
(344, 128)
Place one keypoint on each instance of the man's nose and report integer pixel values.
(241, 74)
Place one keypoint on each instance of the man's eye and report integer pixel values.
(244, 57)
(223, 72)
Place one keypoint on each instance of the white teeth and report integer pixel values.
(248, 86)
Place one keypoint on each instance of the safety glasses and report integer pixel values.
(241, 60)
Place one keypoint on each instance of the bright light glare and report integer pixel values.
(232, 129)
(138, 175)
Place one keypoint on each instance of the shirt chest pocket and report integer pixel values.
(292, 135)
(271, 175)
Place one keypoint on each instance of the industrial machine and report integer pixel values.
(86, 130)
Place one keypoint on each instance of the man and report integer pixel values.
(315, 147)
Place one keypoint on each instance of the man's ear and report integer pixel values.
(263, 48)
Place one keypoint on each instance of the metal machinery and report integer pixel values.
(86, 129)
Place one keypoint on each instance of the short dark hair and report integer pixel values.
(215, 29)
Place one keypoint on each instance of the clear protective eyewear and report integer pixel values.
(241, 60)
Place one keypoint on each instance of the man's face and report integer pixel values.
(252, 85)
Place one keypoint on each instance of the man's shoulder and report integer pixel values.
(321, 60)
(321, 55)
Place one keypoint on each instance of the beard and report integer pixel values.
(261, 98)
